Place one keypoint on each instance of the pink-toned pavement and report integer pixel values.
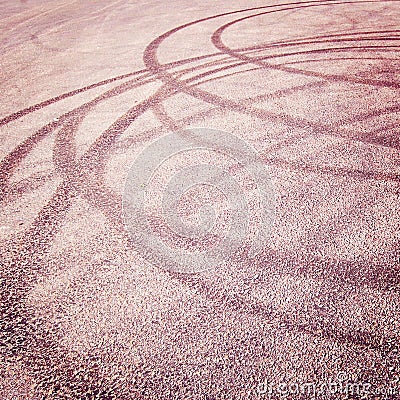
(313, 87)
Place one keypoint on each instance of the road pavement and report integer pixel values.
(167, 300)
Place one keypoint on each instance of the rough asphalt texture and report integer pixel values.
(312, 86)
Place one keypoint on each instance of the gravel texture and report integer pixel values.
(313, 87)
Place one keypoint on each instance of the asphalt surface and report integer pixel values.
(313, 87)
